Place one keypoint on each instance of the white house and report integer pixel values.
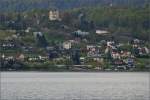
(21, 57)
(67, 45)
(115, 55)
(28, 30)
(101, 32)
(54, 15)
(110, 43)
(81, 33)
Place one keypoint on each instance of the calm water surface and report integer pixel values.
(74, 86)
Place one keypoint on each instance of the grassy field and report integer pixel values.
(5, 34)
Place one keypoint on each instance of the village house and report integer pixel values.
(7, 58)
(110, 44)
(93, 47)
(54, 15)
(125, 54)
(115, 55)
(121, 54)
(102, 32)
(143, 51)
(93, 50)
(80, 33)
(8, 45)
(136, 41)
(33, 59)
(20, 57)
(67, 45)
(28, 30)
(37, 58)
(43, 58)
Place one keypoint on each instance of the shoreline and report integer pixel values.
(76, 71)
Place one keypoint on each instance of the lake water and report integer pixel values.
(74, 86)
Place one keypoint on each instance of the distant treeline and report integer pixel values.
(129, 21)
(24, 5)
(122, 20)
(135, 21)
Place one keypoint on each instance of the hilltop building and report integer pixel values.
(54, 15)
(67, 45)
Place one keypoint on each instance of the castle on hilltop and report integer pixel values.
(54, 15)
